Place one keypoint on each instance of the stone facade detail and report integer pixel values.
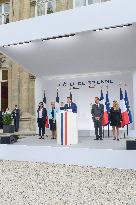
(62, 5)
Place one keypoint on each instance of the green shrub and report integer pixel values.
(49, 11)
(7, 119)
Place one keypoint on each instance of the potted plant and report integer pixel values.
(49, 11)
(7, 123)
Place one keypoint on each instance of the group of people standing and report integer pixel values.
(97, 112)
(15, 115)
(115, 118)
(42, 114)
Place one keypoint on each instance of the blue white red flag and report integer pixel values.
(124, 112)
(105, 119)
(128, 107)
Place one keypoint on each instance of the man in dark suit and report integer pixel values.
(42, 113)
(97, 115)
(16, 116)
(70, 105)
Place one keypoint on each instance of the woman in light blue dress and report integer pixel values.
(52, 119)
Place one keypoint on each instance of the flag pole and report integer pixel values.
(128, 105)
(44, 101)
(120, 84)
(124, 134)
(127, 130)
(108, 117)
(108, 130)
(103, 126)
(103, 132)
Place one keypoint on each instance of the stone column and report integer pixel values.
(31, 94)
(24, 100)
(24, 91)
(64, 5)
(32, 101)
(33, 11)
(20, 9)
(25, 9)
(13, 84)
(21, 87)
(15, 10)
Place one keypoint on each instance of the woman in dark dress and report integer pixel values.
(115, 119)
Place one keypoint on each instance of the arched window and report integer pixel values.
(79, 3)
(4, 12)
(45, 7)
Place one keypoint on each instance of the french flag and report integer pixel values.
(105, 119)
(128, 107)
(47, 119)
(124, 111)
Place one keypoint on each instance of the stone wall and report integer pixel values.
(21, 84)
(62, 5)
(23, 183)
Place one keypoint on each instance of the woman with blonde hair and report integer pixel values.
(115, 119)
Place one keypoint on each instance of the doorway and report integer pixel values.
(4, 90)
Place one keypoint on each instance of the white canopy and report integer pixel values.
(87, 51)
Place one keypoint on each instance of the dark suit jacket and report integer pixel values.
(73, 107)
(97, 112)
(16, 114)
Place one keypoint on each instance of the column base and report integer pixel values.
(27, 123)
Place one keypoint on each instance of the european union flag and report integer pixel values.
(128, 107)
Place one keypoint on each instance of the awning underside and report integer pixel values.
(85, 52)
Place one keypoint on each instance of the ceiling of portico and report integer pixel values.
(108, 50)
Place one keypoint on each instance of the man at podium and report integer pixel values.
(67, 129)
(70, 105)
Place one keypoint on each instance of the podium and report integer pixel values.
(67, 131)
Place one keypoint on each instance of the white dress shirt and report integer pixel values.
(40, 113)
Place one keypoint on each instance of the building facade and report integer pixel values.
(18, 85)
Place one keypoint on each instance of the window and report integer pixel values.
(79, 3)
(96, 1)
(93, 1)
(0, 19)
(4, 74)
(45, 7)
(4, 13)
(0, 8)
(6, 8)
